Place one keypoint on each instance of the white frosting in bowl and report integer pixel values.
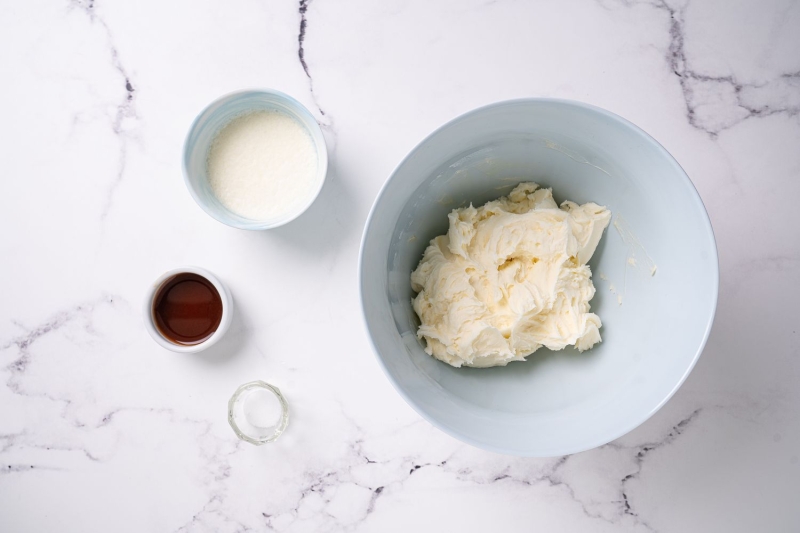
(508, 278)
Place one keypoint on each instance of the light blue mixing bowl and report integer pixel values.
(555, 402)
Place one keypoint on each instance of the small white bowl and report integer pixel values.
(224, 324)
(212, 119)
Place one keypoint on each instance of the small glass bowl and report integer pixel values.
(217, 115)
(254, 415)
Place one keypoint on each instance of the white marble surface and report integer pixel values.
(102, 430)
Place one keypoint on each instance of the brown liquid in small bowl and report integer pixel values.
(187, 309)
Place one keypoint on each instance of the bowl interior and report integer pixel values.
(213, 119)
(555, 402)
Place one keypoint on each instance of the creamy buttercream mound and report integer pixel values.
(508, 278)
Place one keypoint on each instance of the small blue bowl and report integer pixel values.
(654, 326)
(212, 119)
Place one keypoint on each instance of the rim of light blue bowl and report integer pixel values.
(708, 227)
(316, 136)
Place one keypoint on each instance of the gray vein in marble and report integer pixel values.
(642, 452)
(17, 468)
(717, 103)
(126, 109)
(15, 441)
(9, 440)
(24, 342)
(19, 444)
(326, 120)
(216, 452)
(17, 368)
(301, 52)
(739, 98)
(551, 476)
(375, 494)
(323, 485)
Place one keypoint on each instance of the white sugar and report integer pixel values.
(262, 165)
